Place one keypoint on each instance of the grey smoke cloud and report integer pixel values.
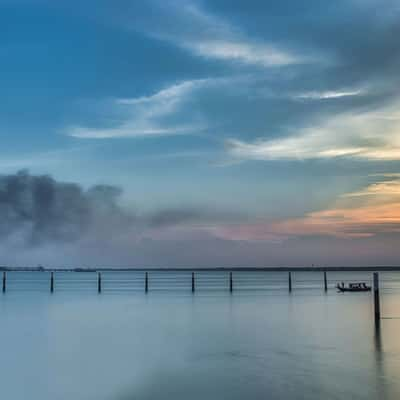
(43, 209)
(45, 221)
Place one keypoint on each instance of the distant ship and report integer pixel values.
(353, 287)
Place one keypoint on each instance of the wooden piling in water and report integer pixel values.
(146, 282)
(325, 282)
(377, 308)
(193, 285)
(4, 281)
(230, 282)
(52, 282)
(99, 282)
(290, 281)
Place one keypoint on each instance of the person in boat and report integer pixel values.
(340, 285)
(354, 287)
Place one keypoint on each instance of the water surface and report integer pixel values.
(258, 342)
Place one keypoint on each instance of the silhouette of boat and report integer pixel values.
(353, 287)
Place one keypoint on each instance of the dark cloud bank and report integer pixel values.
(40, 209)
(44, 221)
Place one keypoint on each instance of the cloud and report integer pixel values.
(57, 223)
(363, 135)
(45, 221)
(150, 115)
(327, 94)
(209, 36)
(371, 211)
(242, 52)
(37, 209)
(333, 72)
(174, 217)
(389, 190)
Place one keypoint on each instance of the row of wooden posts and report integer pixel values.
(146, 286)
(99, 282)
(146, 281)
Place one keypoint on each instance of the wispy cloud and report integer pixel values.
(148, 115)
(326, 95)
(388, 190)
(377, 213)
(212, 37)
(242, 51)
(363, 136)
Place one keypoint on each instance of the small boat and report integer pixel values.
(353, 287)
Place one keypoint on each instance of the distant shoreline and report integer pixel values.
(209, 269)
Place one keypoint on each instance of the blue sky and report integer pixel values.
(264, 128)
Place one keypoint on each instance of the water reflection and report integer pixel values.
(381, 377)
(210, 345)
(378, 340)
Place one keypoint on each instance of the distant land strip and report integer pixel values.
(207, 269)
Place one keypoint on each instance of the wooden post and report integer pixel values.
(52, 282)
(4, 281)
(193, 286)
(146, 282)
(325, 282)
(290, 281)
(230, 282)
(376, 298)
(99, 282)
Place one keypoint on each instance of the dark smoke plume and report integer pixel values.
(46, 210)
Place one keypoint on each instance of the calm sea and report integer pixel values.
(260, 342)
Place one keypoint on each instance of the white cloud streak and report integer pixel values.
(362, 136)
(214, 38)
(326, 95)
(241, 51)
(145, 114)
(378, 212)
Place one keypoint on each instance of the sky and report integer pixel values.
(199, 133)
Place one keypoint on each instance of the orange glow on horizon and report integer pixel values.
(374, 210)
